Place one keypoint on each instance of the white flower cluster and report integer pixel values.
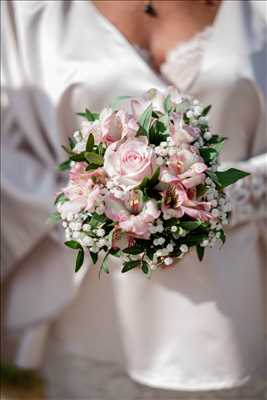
(78, 230)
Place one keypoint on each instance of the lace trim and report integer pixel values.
(249, 196)
(183, 62)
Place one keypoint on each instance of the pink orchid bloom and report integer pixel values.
(177, 203)
(81, 191)
(186, 167)
(136, 224)
(121, 240)
(116, 124)
(179, 132)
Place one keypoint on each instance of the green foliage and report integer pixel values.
(90, 143)
(230, 176)
(116, 103)
(93, 158)
(200, 252)
(190, 225)
(94, 257)
(79, 260)
(73, 244)
(206, 110)
(61, 198)
(90, 116)
(145, 120)
(54, 218)
(209, 154)
(64, 166)
(167, 104)
(130, 265)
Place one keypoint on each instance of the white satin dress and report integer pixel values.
(195, 332)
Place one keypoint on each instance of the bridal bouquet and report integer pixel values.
(144, 183)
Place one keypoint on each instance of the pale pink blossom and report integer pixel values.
(180, 133)
(116, 124)
(129, 161)
(82, 191)
(136, 224)
(186, 166)
(176, 203)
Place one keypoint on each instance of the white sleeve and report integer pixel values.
(28, 178)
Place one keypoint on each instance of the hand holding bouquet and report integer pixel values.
(143, 183)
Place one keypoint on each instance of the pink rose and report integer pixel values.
(176, 203)
(116, 124)
(186, 167)
(128, 220)
(129, 161)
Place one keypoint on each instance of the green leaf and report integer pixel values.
(130, 265)
(64, 166)
(190, 225)
(73, 244)
(90, 116)
(182, 107)
(116, 103)
(97, 220)
(71, 142)
(209, 154)
(201, 190)
(214, 178)
(54, 218)
(115, 252)
(218, 146)
(155, 178)
(206, 110)
(93, 158)
(105, 264)
(145, 267)
(77, 157)
(61, 198)
(230, 176)
(145, 119)
(90, 143)
(79, 260)
(167, 104)
(136, 249)
(222, 236)
(67, 150)
(200, 252)
(94, 257)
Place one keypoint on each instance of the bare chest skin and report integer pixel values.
(176, 21)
